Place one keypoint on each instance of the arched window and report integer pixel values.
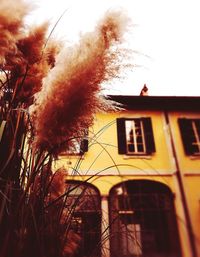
(143, 220)
(83, 205)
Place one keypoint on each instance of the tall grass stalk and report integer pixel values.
(48, 96)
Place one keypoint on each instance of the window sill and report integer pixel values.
(72, 156)
(194, 157)
(147, 157)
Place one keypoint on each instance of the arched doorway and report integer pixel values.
(142, 220)
(83, 203)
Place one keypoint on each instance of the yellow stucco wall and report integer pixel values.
(190, 173)
(105, 183)
(104, 167)
(103, 153)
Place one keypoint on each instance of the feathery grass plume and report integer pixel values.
(31, 46)
(31, 63)
(11, 25)
(70, 94)
(38, 58)
(24, 54)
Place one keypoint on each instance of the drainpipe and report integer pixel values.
(182, 191)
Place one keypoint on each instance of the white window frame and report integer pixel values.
(134, 143)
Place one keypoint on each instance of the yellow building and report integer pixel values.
(135, 181)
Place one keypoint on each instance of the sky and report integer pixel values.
(164, 36)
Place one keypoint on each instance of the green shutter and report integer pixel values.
(148, 133)
(187, 135)
(121, 136)
(84, 146)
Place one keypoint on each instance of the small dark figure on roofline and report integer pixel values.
(144, 90)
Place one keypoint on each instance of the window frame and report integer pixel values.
(148, 136)
(190, 135)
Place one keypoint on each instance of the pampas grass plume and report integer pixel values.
(11, 25)
(70, 94)
(39, 57)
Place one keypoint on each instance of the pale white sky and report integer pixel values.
(165, 30)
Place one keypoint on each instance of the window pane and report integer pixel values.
(137, 123)
(131, 148)
(143, 221)
(129, 130)
(195, 148)
(139, 139)
(138, 131)
(131, 240)
(140, 148)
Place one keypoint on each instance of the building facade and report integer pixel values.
(135, 180)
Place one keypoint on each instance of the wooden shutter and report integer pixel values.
(197, 122)
(148, 133)
(187, 135)
(121, 136)
(84, 146)
(84, 142)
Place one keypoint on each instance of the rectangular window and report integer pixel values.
(135, 141)
(190, 134)
(135, 136)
